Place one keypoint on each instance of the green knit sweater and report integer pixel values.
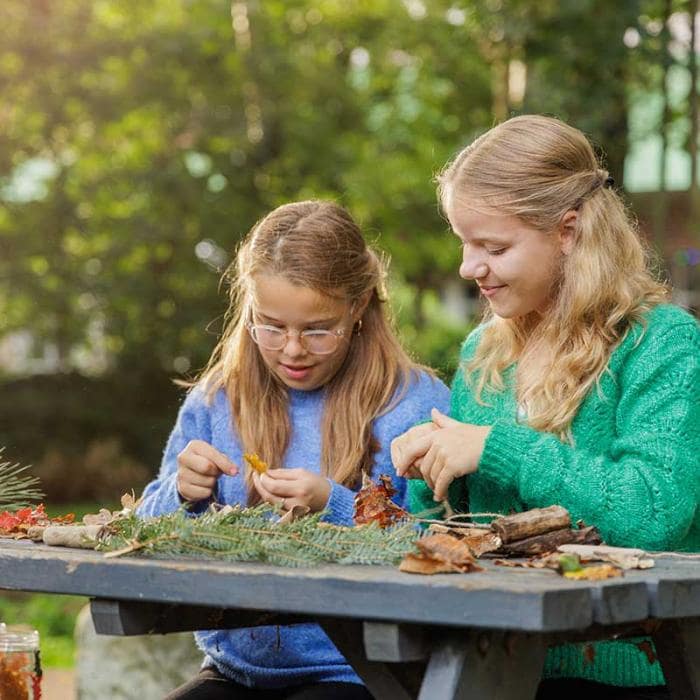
(633, 472)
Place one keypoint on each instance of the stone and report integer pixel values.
(131, 668)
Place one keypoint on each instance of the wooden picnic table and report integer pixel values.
(479, 636)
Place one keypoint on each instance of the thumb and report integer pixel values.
(441, 420)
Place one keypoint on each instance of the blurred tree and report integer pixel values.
(140, 139)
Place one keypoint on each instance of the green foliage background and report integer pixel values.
(140, 139)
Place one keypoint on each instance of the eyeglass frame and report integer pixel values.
(284, 334)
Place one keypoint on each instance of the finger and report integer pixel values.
(408, 453)
(427, 467)
(286, 474)
(195, 479)
(196, 464)
(196, 493)
(279, 488)
(437, 464)
(218, 459)
(442, 483)
(190, 492)
(260, 488)
(443, 421)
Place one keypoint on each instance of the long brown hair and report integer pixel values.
(313, 244)
(537, 169)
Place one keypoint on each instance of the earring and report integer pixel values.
(358, 327)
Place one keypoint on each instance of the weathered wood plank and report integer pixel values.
(134, 617)
(495, 598)
(626, 601)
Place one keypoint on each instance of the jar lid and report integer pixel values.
(18, 638)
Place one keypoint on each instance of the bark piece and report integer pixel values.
(82, 536)
(529, 523)
(549, 541)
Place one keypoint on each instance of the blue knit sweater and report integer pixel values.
(272, 657)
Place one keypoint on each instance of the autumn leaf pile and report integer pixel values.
(17, 523)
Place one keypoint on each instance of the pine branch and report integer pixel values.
(253, 534)
(17, 489)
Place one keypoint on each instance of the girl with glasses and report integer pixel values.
(309, 375)
(581, 387)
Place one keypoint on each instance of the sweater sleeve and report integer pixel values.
(193, 423)
(644, 490)
(420, 497)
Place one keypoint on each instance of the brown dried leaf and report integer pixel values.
(294, 513)
(373, 504)
(128, 501)
(440, 554)
(416, 564)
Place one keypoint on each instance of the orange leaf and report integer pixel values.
(255, 462)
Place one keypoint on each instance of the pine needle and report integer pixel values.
(254, 534)
(17, 490)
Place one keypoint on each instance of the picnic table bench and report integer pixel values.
(481, 636)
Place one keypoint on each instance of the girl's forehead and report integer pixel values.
(471, 223)
(276, 297)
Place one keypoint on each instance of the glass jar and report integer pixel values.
(20, 667)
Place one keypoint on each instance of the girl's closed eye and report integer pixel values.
(496, 251)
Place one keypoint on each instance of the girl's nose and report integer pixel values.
(472, 268)
(293, 346)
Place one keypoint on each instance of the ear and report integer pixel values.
(567, 231)
(359, 306)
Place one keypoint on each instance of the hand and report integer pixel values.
(199, 466)
(293, 487)
(400, 448)
(452, 450)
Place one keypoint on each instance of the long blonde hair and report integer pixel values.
(317, 245)
(537, 169)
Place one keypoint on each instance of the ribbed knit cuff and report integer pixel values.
(340, 506)
(420, 497)
(505, 449)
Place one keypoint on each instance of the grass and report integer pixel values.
(52, 615)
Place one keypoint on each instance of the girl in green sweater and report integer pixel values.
(582, 385)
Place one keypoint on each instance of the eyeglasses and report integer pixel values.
(317, 342)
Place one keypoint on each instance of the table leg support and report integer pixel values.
(384, 681)
(677, 643)
(484, 666)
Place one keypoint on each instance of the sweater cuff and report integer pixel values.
(420, 497)
(505, 451)
(341, 505)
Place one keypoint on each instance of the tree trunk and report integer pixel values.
(694, 7)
